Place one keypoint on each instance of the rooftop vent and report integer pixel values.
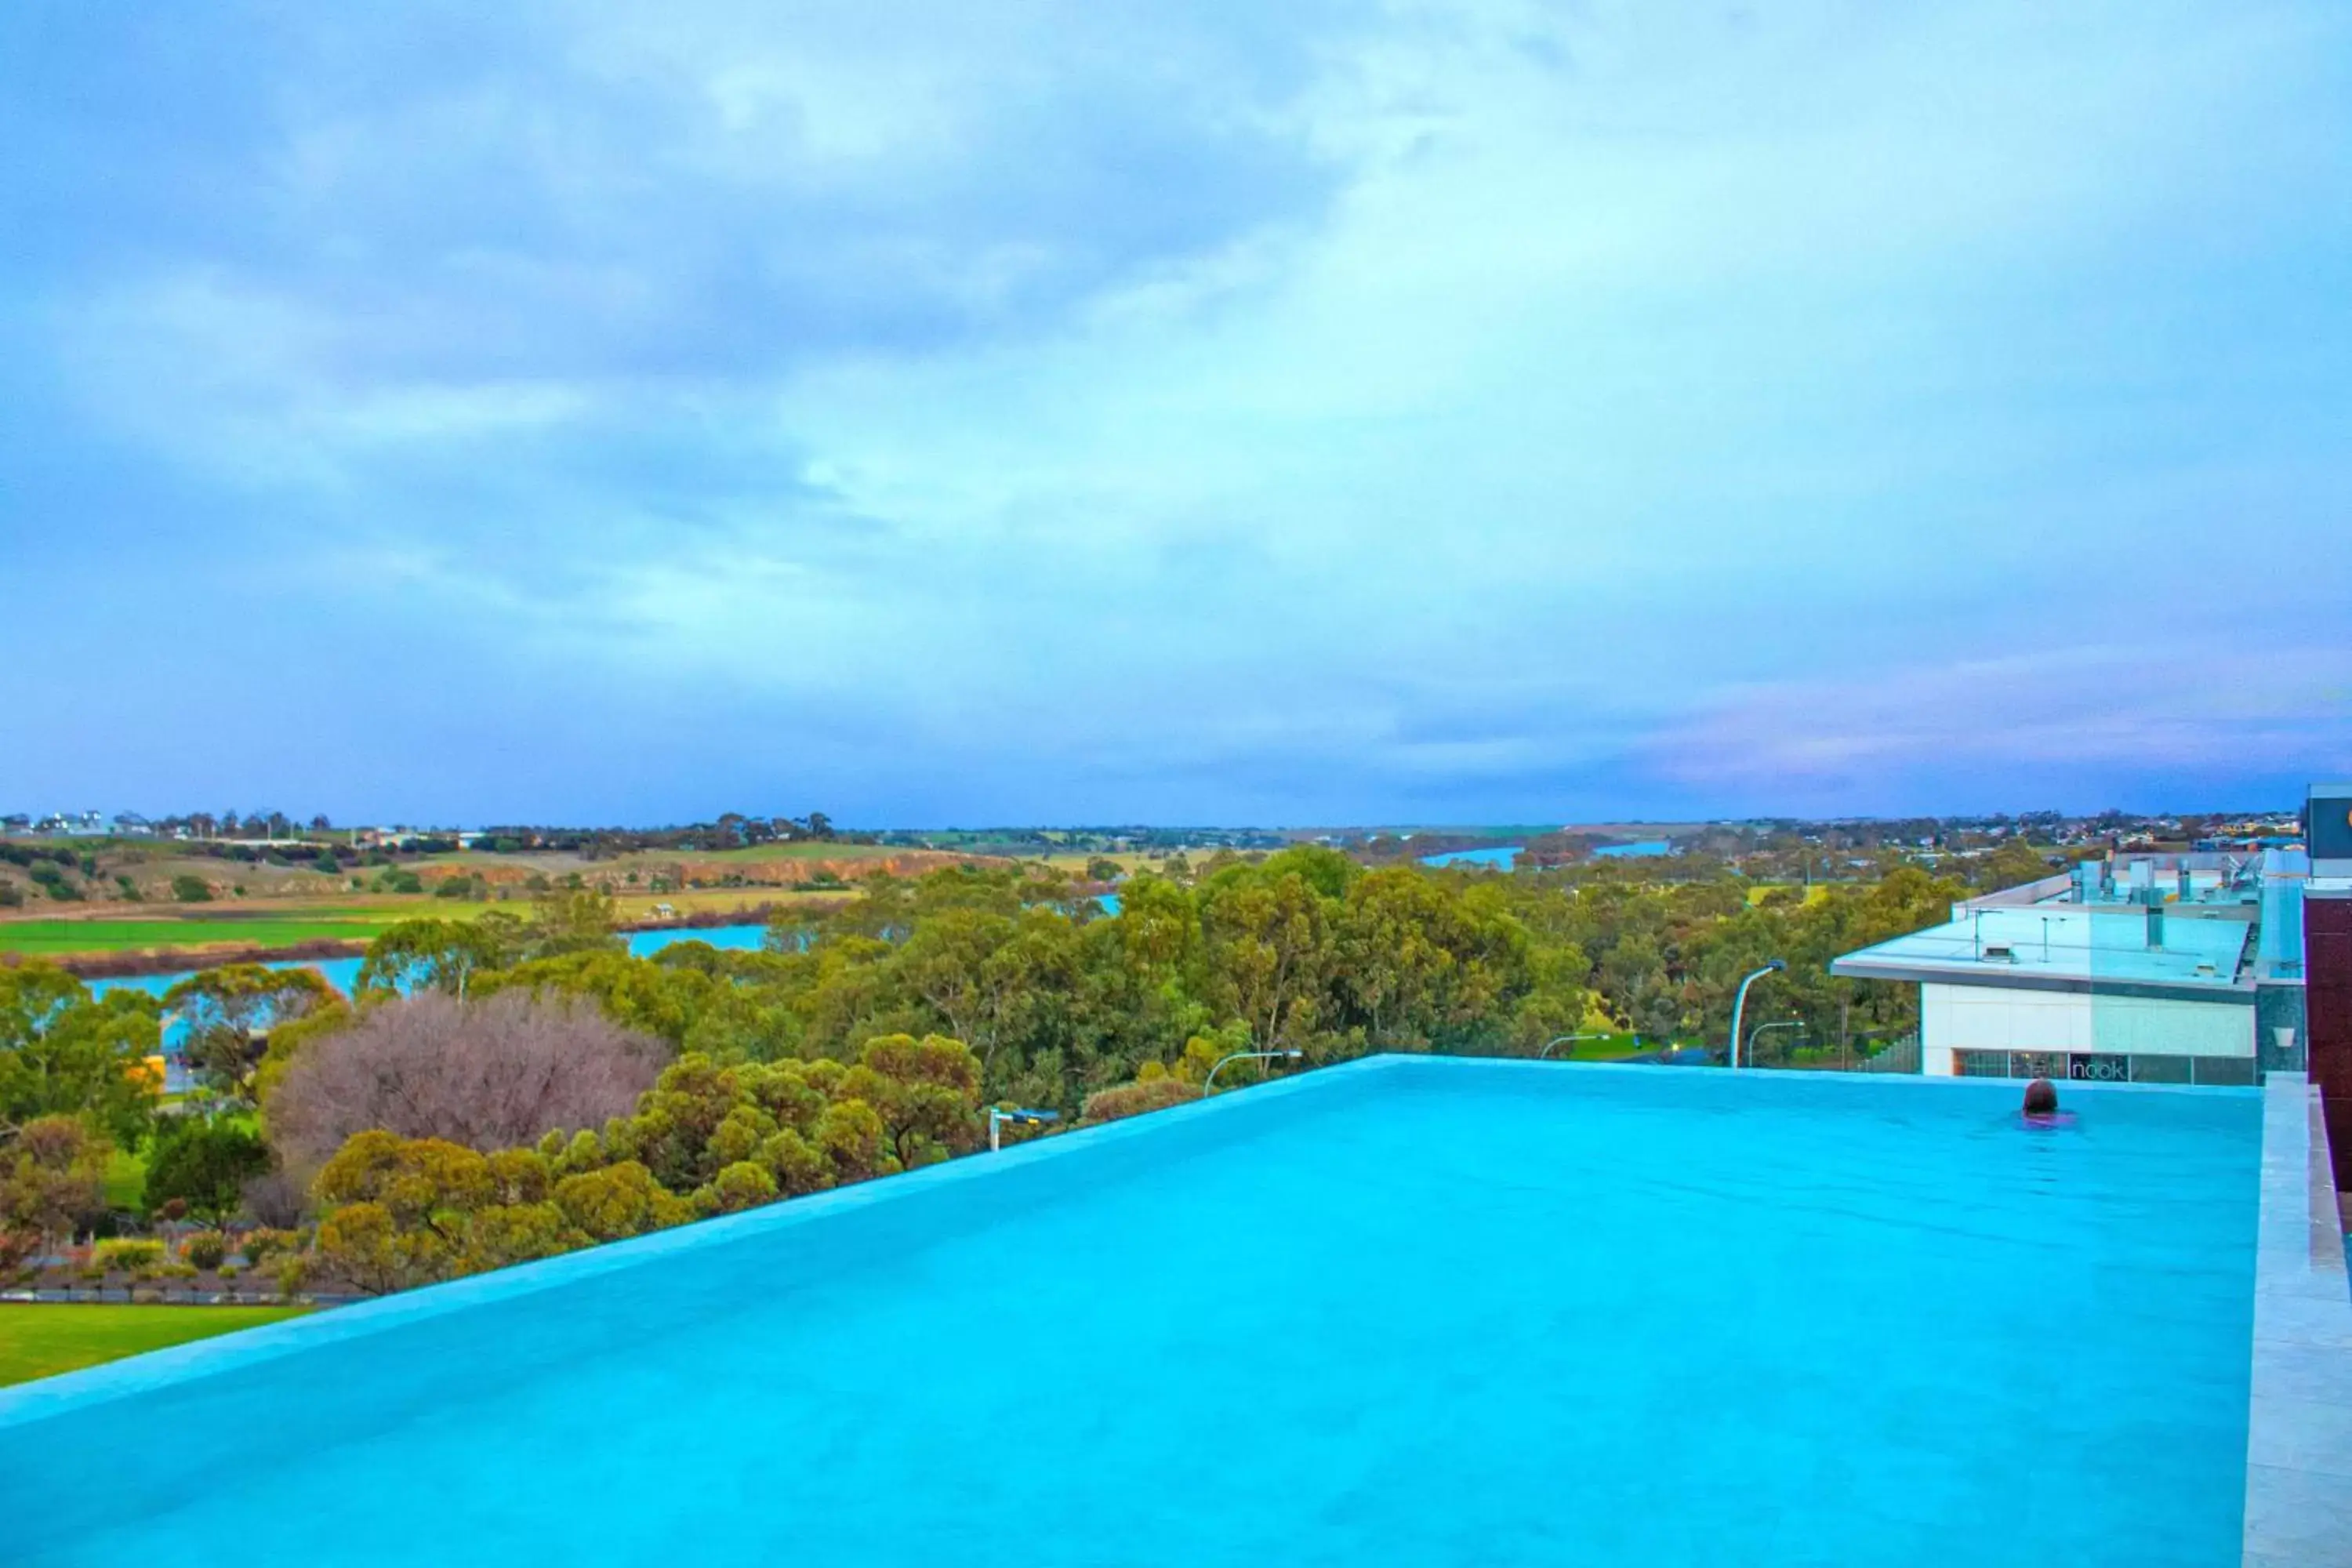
(2000, 952)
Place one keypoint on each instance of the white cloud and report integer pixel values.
(1491, 393)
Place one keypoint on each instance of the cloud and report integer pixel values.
(1086, 410)
(1966, 729)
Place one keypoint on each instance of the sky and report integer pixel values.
(1105, 411)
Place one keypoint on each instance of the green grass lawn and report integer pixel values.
(49, 938)
(41, 1342)
(1614, 1049)
(126, 1180)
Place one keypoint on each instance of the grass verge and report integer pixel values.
(42, 1341)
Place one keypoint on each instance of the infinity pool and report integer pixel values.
(1409, 1311)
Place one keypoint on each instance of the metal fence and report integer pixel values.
(1896, 1055)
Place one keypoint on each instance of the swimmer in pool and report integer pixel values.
(2042, 1105)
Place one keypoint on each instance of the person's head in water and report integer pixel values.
(2041, 1098)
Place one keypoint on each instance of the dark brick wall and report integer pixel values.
(2327, 1010)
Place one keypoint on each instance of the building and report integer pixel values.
(2327, 968)
(2160, 968)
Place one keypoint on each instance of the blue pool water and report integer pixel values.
(1501, 856)
(1408, 1311)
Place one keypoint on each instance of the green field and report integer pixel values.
(41, 1342)
(46, 939)
(815, 850)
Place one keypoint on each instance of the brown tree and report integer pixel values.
(488, 1074)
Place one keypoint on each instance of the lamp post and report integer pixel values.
(998, 1117)
(1761, 1030)
(1566, 1040)
(1206, 1083)
(1739, 1003)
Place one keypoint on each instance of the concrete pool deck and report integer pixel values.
(2299, 1418)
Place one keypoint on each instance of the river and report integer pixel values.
(1502, 858)
(343, 973)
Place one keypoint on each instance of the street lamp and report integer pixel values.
(1291, 1056)
(1739, 1003)
(998, 1117)
(1566, 1040)
(1761, 1030)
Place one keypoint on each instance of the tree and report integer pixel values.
(572, 920)
(741, 1185)
(399, 1209)
(927, 1093)
(64, 1052)
(1417, 965)
(204, 1162)
(617, 1201)
(485, 1074)
(52, 1177)
(439, 955)
(1269, 951)
(229, 1012)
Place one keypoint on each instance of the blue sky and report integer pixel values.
(1098, 411)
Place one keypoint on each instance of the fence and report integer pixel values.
(1896, 1055)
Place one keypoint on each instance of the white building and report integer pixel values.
(2172, 969)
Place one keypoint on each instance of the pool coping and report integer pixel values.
(2299, 1409)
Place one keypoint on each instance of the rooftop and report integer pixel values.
(2071, 947)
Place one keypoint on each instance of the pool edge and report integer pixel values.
(2298, 1504)
(47, 1398)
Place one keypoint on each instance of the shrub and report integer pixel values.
(206, 1249)
(738, 1186)
(176, 1270)
(274, 1200)
(293, 1274)
(261, 1245)
(190, 889)
(1134, 1098)
(136, 1257)
(204, 1163)
(229, 1270)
